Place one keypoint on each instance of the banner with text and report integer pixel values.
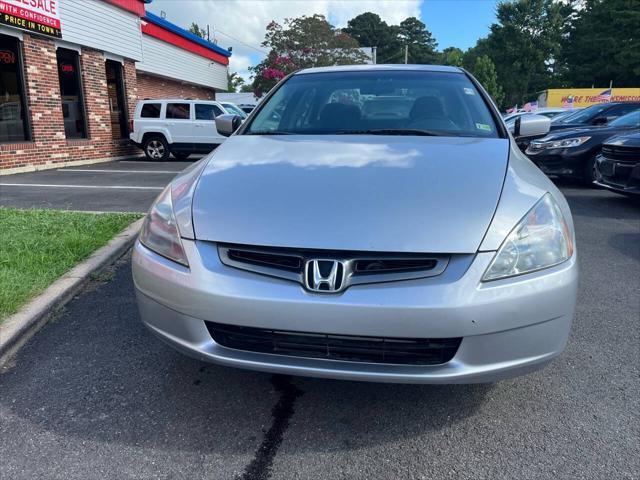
(39, 16)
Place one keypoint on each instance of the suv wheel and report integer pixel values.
(156, 148)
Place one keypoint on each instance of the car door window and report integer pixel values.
(178, 111)
(207, 112)
(150, 110)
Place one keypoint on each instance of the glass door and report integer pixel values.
(117, 102)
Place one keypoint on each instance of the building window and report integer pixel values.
(75, 125)
(117, 102)
(151, 110)
(14, 124)
(178, 111)
(206, 111)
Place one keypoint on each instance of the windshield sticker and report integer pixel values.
(483, 126)
(469, 91)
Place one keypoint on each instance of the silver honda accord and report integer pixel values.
(369, 223)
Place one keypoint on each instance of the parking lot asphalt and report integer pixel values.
(120, 186)
(94, 395)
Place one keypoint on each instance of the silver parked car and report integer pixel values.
(325, 238)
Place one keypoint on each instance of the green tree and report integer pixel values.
(301, 43)
(603, 45)
(485, 73)
(422, 46)
(234, 82)
(524, 46)
(369, 30)
(451, 56)
(198, 30)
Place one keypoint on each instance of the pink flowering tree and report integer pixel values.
(301, 43)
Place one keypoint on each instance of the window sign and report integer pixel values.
(39, 16)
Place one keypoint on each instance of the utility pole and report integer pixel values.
(406, 54)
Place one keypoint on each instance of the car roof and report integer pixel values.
(613, 104)
(182, 100)
(361, 68)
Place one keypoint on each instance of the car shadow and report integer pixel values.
(96, 374)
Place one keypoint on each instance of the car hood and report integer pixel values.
(368, 193)
(631, 140)
(600, 130)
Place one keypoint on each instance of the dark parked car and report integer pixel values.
(595, 115)
(246, 108)
(618, 167)
(573, 152)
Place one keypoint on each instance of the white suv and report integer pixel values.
(176, 126)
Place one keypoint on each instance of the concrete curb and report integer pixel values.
(20, 327)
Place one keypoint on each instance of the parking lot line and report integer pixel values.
(112, 187)
(114, 171)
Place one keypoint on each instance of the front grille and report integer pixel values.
(404, 351)
(621, 153)
(355, 267)
(373, 266)
(267, 259)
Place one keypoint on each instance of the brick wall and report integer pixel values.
(49, 146)
(150, 86)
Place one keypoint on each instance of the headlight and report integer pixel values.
(160, 231)
(542, 239)
(565, 143)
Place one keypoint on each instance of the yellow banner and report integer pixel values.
(585, 97)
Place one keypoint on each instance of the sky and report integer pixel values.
(241, 23)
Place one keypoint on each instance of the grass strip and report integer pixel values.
(39, 246)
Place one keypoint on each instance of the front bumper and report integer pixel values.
(561, 162)
(619, 176)
(509, 327)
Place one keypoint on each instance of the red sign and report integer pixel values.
(7, 56)
(66, 68)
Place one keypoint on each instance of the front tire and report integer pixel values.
(156, 148)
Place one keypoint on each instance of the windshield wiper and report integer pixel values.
(393, 131)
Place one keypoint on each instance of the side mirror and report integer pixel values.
(227, 124)
(531, 126)
(602, 120)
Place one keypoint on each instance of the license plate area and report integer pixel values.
(607, 168)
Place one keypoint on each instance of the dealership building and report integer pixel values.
(72, 71)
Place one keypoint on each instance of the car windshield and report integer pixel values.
(584, 115)
(629, 120)
(231, 108)
(562, 116)
(383, 102)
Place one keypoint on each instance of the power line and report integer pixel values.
(241, 42)
(392, 57)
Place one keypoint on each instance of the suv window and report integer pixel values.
(178, 111)
(206, 111)
(377, 101)
(150, 110)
